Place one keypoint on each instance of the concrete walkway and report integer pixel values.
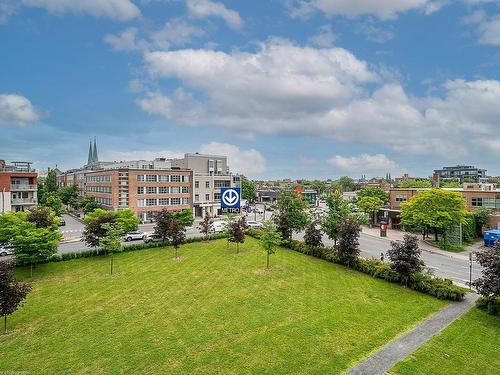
(398, 349)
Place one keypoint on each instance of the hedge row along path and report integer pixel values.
(398, 349)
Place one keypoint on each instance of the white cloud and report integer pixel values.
(122, 10)
(376, 165)
(7, 8)
(374, 33)
(207, 8)
(489, 31)
(247, 162)
(324, 38)
(140, 155)
(382, 9)
(176, 32)
(126, 40)
(16, 109)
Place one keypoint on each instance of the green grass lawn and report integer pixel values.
(211, 311)
(469, 346)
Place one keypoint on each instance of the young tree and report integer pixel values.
(488, 285)
(95, 228)
(313, 235)
(185, 217)
(436, 208)
(206, 227)
(12, 293)
(35, 245)
(176, 235)
(111, 241)
(405, 257)
(270, 239)
(371, 206)
(348, 246)
(291, 214)
(237, 230)
(51, 182)
(248, 190)
(43, 217)
(338, 209)
(163, 220)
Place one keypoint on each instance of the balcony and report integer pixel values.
(20, 201)
(22, 187)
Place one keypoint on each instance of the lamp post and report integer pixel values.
(470, 271)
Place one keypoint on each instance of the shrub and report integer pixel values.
(491, 305)
(437, 287)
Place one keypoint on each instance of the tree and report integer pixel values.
(375, 192)
(12, 293)
(348, 247)
(95, 228)
(52, 201)
(412, 183)
(43, 217)
(291, 213)
(12, 223)
(69, 195)
(111, 241)
(405, 257)
(51, 182)
(185, 217)
(237, 232)
(338, 209)
(127, 220)
(270, 239)
(313, 235)
(488, 285)
(176, 235)
(163, 219)
(344, 184)
(248, 190)
(35, 245)
(482, 219)
(371, 206)
(88, 204)
(206, 227)
(436, 209)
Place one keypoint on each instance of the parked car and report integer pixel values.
(151, 237)
(258, 210)
(6, 250)
(62, 222)
(218, 226)
(255, 224)
(131, 236)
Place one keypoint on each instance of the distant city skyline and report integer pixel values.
(285, 88)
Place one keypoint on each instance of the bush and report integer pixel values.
(491, 305)
(437, 287)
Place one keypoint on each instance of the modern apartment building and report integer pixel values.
(18, 186)
(143, 191)
(210, 174)
(461, 173)
(476, 196)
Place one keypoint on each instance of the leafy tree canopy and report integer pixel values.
(43, 217)
(375, 192)
(413, 183)
(248, 190)
(292, 215)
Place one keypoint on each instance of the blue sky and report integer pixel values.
(285, 88)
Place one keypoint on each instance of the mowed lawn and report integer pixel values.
(469, 346)
(211, 311)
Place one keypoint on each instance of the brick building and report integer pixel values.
(18, 186)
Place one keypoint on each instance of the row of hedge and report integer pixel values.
(491, 305)
(425, 283)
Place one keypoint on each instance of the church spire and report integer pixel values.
(95, 157)
(89, 159)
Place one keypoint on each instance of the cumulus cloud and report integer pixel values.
(382, 9)
(122, 10)
(377, 164)
(207, 8)
(16, 109)
(324, 38)
(126, 41)
(247, 162)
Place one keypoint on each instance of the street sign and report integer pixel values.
(230, 198)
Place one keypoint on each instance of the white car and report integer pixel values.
(151, 237)
(218, 226)
(255, 224)
(6, 250)
(131, 236)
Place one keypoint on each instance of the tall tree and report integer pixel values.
(313, 235)
(348, 246)
(248, 190)
(405, 257)
(88, 204)
(52, 201)
(371, 206)
(51, 181)
(338, 209)
(95, 228)
(291, 213)
(206, 226)
(13, 223)
(185, 217)
(437, 209)
(270, 239)
(344, 184)
(43, 217)
(177, 235)
(111, 241)
(488, 285)
(482, 219)
(375, 192)
(12, 292)
(69, 195)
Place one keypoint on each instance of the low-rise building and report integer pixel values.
(461, 173)
(18, 186)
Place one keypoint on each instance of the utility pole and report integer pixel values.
(470, 271)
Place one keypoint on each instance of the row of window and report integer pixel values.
(207, 197)
(485, 202)
(162, 190)
(401, 198)
(162, 178)
(162, 202)
(99, 189)
(105, 178)
(104, 201)
(217, 184)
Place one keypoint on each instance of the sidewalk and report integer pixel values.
(397, 235)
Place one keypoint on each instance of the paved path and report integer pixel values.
(398, 349)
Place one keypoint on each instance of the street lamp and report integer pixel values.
(470, 271)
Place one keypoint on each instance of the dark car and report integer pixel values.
(62, 222)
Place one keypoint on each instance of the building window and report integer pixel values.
(185, 200)
(207, 184)
(140, 178)
(163, 190)
(485, 202)
(207, 197)
(217, 197)
(185, 190)
(151, 190)
(185, 178)
(140, 189)
(175, 178)
(163, 178)
(163, 202)
(151, 202)
(401, 198)
(197, 184)
(175, 201)
(197, 197)
(141, 203)
(175, 189)
(151, 178)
